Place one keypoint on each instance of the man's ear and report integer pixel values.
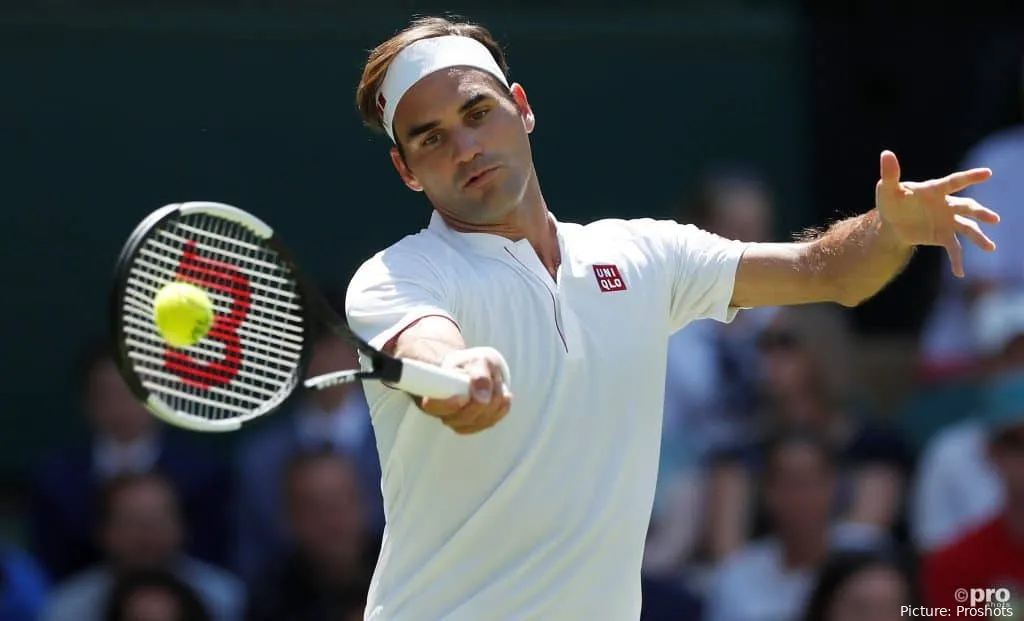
(519, 96)
(403, 171)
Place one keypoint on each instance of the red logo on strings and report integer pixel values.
(608, 278)
(381, 104)
(227, 279)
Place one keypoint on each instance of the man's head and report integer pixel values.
(735, 204)
(439, 89)
(140, 524)
(799, 483)
(325, 508)
(1002, 412)
(113, 411)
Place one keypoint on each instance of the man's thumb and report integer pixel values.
(889, 168)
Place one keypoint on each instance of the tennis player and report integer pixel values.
(531, 499)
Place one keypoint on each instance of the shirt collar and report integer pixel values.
(484, 243)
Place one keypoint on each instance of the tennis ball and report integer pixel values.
(183, 313)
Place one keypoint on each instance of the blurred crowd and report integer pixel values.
(787, 491)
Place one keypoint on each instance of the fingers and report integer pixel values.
(889, 169)
(971, 208)
(972, 231)
(951, 184)
(956, 256)
(488, 403)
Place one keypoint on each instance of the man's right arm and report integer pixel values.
(429, 340)
(397, 302)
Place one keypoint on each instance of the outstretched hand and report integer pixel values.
(929, 214)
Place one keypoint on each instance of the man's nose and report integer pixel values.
(466, 145)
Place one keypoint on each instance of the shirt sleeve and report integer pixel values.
(701, 271)
(392, 291)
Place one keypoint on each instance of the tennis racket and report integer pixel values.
(257, 350)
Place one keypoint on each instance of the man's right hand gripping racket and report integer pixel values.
(258, 346)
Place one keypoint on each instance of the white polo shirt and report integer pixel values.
(544, 515)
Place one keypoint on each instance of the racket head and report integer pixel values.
(258, 348)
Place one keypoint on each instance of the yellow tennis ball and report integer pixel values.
(183, 313)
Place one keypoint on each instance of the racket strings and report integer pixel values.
(250, 358)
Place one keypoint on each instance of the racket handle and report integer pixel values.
(428, 380)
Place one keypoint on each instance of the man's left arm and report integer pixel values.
(857, 257)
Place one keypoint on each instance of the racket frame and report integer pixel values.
(157, 406)
(374, 364)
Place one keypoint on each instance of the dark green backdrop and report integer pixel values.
(104, 119)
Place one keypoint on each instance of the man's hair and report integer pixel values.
(381, 57)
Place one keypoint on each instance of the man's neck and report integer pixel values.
(531, 221)
(804, 550)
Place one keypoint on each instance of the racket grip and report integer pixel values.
(431, 381)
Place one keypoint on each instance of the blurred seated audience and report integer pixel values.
(947, 349)
(809, 381)
(154, 596)
(711, 381)
(327, 574)
(666, 599)
(957, 486)
(336, 419)
(23, 586)
(861, 586)
(990, 555)
(124, 438)
(771, 578)
(141, 529)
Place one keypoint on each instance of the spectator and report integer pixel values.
(125, 438)
(711, 381)
(957, 487)
(991, 555)
(337, 419)
(327, 575)
(860, 586)
(809, 380)
(770, 579)
(947, 348)
(141, 529)
(154, 596)
(23, 586)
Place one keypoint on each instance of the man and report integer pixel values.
(544, 515)
(990, 555)
(336, 419)
(957, 486)
(326, 574)
(141, 529)
(124, 439)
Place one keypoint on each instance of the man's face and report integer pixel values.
(143, 530)
(466, 144)
(799, 490)
(326, 509)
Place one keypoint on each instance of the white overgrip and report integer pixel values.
(431, 381)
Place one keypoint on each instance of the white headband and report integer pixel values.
(418, 60)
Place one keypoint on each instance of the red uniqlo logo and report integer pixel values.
(608, 278)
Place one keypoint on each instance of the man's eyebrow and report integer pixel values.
(423, 128)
